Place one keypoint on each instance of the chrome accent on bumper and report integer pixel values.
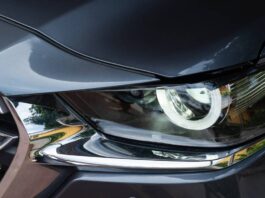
(68, 140)
(52, 152)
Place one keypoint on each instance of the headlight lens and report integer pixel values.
(203, 114)
(179, 109)
(135, 128)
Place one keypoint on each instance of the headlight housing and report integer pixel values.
(205, 114)
(204, 125)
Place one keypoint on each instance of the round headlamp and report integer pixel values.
(179, 112)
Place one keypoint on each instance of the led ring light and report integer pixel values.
(175, 117)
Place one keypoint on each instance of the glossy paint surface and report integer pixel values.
(168, 38)
(31, 65)
(242, 181)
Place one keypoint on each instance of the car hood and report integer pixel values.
(166, 38)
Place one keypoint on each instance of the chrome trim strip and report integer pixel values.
(51, 152)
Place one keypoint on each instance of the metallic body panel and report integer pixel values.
(104, 44)
(32, 65)
(240, 181)
(168, 38)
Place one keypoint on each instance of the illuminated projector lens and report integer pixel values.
(175, 105)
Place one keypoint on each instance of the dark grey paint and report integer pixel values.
(169, 38)
(30, 65)
(239, 181)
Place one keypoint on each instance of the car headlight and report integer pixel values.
(205, 114)
(177, 109)
(120, 127)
